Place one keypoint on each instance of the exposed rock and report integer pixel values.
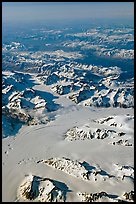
(60, 89)
(73, 168)
(77, 169)
(122, 142)
(38, 189)
(129, 195)
(119, 121)
(83, 94)
(92, 197)
(121, 133)
(102, 96)
(77, 134)
(86, 132)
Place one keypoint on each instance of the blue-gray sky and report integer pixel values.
(39, 11)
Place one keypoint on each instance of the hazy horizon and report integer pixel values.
(38, 12)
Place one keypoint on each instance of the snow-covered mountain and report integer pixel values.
(68, 115)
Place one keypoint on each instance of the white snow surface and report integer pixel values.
(26, 155)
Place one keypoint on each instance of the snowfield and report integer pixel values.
(61, 150)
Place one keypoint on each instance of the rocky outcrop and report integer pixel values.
(86, 132)
(122, 142)
(61, 89)
(129, 196)
(92, 197)
(81, 170)
(15, 114)
(120, 121)
(38, 189)
(73, 168)
(105, 197)
(100, 95)
(83, 94)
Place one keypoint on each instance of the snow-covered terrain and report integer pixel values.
(68, 125)
(90, 145)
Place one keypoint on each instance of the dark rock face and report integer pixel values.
(129, 195)
(122, 142)
(92, 197)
